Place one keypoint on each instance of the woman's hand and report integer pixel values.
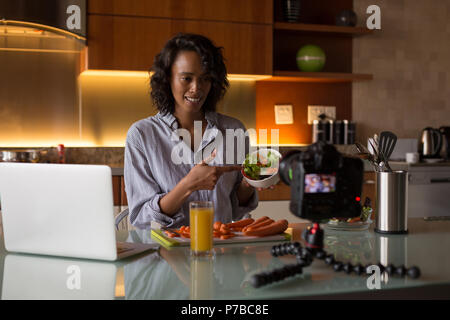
(205, 177)
(201, 177)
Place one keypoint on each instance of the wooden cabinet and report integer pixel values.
(130, 43)
(249, 11)
(127, 35)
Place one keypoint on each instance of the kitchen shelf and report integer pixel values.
(324, 77)
(321, 28)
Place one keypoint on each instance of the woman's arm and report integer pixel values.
(201, 177)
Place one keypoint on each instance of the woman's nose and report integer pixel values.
(197, 85)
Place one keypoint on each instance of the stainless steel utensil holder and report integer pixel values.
(392, 202)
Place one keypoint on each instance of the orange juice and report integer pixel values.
(201, 225)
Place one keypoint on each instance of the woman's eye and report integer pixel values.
(186, 78)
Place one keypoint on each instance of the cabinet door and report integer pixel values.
(130, 43)
(252, 11)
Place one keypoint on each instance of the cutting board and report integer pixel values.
(161, 237)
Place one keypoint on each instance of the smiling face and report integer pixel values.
(189, 83)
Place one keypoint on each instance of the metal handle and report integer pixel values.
(440, 180)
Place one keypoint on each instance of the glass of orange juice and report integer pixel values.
(201, 225)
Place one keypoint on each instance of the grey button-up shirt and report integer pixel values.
(158, 155)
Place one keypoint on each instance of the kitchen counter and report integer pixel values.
(172, 274)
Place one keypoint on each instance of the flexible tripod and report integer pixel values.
(313, 248)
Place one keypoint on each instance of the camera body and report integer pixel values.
(324, 183)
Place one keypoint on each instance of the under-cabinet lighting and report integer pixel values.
(115, 73)
(145, 74)
(37, 26)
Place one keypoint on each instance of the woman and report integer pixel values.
(188, 81)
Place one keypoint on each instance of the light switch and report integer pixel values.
(283, 114)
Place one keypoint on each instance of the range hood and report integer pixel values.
(60, 17)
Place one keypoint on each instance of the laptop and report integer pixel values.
(31, 277)
(61, 210)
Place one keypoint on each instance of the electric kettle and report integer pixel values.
(430, 143)
(445, 151)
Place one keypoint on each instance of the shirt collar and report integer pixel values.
(171, 121)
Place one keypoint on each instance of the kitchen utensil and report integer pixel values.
(386, 146)
(387, 143)
(430, 143)
(392, 202)
(376, 158)
(375, 145)
(365, 154)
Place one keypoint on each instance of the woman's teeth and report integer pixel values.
(195, 100)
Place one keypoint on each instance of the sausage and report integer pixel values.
(217, 225)
(261, 224)
(256, 221)
(224, 229)
(271, 229)
(240, 223)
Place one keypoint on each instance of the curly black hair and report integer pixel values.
(212, 61)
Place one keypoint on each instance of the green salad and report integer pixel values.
(255, 161)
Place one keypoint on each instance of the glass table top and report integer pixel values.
(171, 273)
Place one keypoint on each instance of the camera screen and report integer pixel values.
(320, 183)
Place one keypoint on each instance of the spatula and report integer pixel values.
(387, 143)
(386, 146)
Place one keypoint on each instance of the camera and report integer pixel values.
(324, 183)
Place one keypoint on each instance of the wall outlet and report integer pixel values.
(284, 114)
(315, 111)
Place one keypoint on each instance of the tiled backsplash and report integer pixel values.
(409, 61)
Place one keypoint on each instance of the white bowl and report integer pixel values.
(269, 181)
